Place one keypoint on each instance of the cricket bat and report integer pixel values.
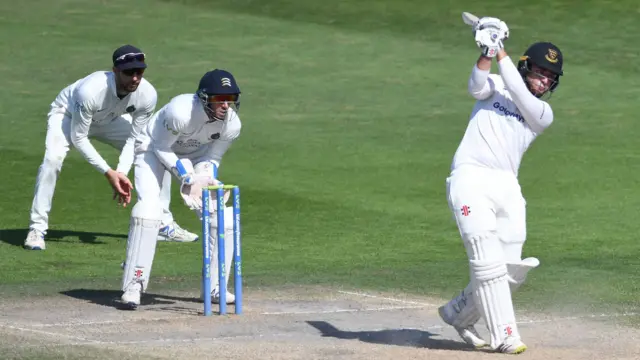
(469, 18)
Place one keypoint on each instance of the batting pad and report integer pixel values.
(492, 293)
(228, 246)
(462, 309)
(144, 226)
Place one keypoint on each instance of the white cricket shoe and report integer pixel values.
(215, 297)
(511, 345)
(34, 240)
(175, 233)
(131, 297)
(469, 333)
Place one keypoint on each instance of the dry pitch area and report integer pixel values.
(289, 324)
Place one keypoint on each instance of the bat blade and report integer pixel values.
(469, 18)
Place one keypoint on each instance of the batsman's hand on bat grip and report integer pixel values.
(488, 41)
(490, 34)
(492, 23)
(505, 30)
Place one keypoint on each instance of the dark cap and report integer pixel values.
(218, 82)
(545, 55)
(128, 57)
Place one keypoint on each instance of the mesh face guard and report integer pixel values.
(525, 67)
(218, 87)
(209, 103)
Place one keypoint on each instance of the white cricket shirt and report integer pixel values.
(181, 129)
(504, 121)
(93, 101)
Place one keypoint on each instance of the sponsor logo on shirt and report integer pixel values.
(507, 112)
(190, 143)
(79, 107)
(166, 126)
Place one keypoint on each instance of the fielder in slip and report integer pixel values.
(108, 106)
(483, 190)
(189, 136)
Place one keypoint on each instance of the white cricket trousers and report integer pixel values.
(57, 145)
(489, 201)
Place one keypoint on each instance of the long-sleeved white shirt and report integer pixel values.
(504, 122)
(181, 129)
(93, 101)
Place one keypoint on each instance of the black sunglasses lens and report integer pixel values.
(131, 72)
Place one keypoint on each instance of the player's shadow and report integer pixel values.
(111, 298)
(16, 236)
(399, 337)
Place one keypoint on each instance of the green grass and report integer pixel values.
(352, 111)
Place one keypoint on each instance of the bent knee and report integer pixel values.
(483, 246)
(485, 271)
(54, 159)
(146, 209)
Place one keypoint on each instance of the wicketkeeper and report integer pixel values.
(188, 136)
(483, 190)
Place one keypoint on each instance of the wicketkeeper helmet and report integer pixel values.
(214, 83)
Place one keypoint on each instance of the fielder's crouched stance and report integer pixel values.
(483, 190)
(191, 129)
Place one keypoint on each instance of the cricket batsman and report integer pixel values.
(188, 136)
(483, 190)
(108, 106)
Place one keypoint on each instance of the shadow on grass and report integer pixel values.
(17, 236)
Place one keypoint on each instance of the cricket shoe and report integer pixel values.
(215, 297)
(469, 333)
(131, 297)
(175, 233)
(511, 345)
(34, 240)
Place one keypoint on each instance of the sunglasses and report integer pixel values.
(129, 57)
(131, 72)
(223, 98)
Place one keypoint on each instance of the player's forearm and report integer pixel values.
(90, 153)
(79, 134)
(167, 157)
(484, 63)
(127, 154)
(479, 86)
(535, 111)
(125, 161)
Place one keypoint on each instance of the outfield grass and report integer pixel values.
(352, 111)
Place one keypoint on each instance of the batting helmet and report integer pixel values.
(545, 55)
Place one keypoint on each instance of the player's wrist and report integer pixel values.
(183, 170)
(501, 55)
